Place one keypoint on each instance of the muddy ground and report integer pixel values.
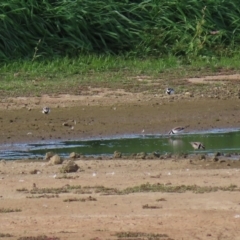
(118, 198)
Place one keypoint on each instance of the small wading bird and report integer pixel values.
(46, 110)
(169, 91)
(177, 130)
(197, 145)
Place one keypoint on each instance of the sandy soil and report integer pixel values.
(187, 215)
(116, 214)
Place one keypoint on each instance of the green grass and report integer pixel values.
(75, 75)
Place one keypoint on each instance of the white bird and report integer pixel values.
(169, 91)
(46, 110)
(177, 130)
(197, 145)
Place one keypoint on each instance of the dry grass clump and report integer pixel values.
(90, 198)
(158, 187)
(9, 210)
(44, 196)
(142, 236)
(40, 237)
(2, 235)
(146, 206)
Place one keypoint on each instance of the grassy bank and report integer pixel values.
(45, 29)
(73, 75)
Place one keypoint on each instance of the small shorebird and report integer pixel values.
(46, 110)
(177, 130)
(169, 91)
(197, 145)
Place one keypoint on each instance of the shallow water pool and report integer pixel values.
(217, 140)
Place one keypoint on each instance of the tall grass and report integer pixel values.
(41, 29)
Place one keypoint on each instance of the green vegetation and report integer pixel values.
(75, 75)
(58, 46)
(39, 29)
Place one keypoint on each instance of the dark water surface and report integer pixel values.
(217, 140)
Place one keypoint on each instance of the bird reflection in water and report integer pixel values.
(176, 143)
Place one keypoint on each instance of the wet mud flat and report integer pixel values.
(179, 197)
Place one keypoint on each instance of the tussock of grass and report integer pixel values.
(22, 190)
(64, 189)
(90, 198)
(106, 191)
(141, 236)
(9, 210)
(161, 200)
(44, 196)
(40, 237)
(158, 187)
(146, 206)
(179, 189)
(2, 235)
(67, 177)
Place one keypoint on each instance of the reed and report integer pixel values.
(43, 29)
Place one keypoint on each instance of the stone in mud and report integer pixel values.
(56, 159)
(167, 155)
(215, 159)
(227, 155)
(48, 155)
(69, 166)
(35, 171)
(202, 157)
(188, 94)
(117, 154)
(74, 155)
(217, 154)
(141, 155)
(154, 155)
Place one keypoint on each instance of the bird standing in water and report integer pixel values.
(197, 145)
